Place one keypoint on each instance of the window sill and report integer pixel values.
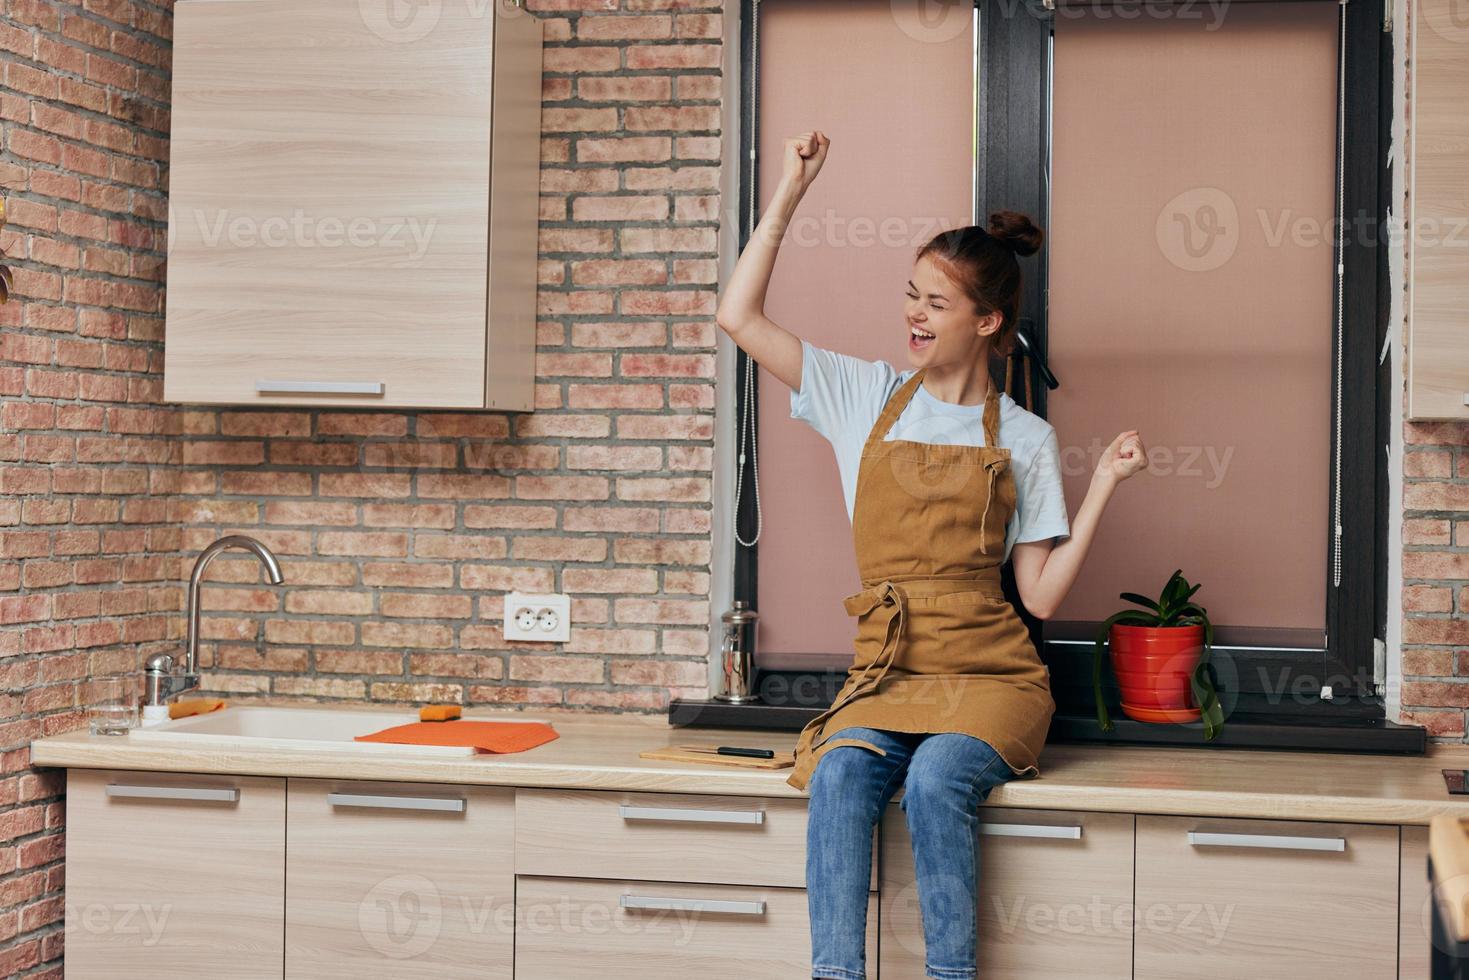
(779, 711)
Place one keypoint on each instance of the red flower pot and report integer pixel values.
(1153, 665)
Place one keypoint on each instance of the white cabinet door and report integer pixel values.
(174, 876)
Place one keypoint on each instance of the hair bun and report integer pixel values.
(1016, 232)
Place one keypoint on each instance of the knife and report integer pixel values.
(729, 750)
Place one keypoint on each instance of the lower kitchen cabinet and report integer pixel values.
(402, 880)
(1265, 899)
(1054, 896)
(622, 929)
(174, 876)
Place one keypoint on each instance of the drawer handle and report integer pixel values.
(318, 387)
(440, 804)
(1267, 840)
(691, 905)
(1030, 830)
(629, 812)
(203, 794)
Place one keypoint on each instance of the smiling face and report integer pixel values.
(943, 325)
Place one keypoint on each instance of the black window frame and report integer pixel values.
(1276, 687)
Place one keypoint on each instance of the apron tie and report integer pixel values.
(993, 467)
(887, 594)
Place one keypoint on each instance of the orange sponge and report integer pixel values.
(438, 712)
(198, 706)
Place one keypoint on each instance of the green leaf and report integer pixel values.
(1132, 617)
(1141, 600)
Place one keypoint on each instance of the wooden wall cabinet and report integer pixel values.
(1438, 230)
(353, 203)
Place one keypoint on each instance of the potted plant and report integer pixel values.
(1160, 656)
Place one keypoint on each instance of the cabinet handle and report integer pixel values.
(318, 387)
(1267, 840)
(441, 804)
(1030, 830)
(205, 794)
(628, 812)
(691, 905)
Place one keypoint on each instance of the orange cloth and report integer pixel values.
(198, 706)
(438, 712)
(487, 736)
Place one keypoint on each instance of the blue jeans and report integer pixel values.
(948, 776)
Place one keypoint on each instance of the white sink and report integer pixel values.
(319, 729)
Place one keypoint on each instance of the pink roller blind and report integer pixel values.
(892, 85)
(1191, 298)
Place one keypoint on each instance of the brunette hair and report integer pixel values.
(982, 262)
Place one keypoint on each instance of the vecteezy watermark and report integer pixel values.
(1212, 12)
(1201, 228)
(834, 229)
(1207, 463)
(401, 917)
(1449, 20)
(1198, 230)
(300, 229)
(1000, 916)
(120, 919)
(940, 21)
(933, 21)
(406, 21)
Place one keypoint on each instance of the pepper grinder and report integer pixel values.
(737, 654)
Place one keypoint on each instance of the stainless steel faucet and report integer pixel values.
(162, 681)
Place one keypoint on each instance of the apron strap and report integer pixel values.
(892, 409)
(991, 414)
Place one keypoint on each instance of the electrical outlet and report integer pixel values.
(544, 618)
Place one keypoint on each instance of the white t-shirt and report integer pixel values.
(841, 397)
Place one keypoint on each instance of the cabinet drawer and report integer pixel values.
(1266, 899)
(1054, 896)
(174, 871)
(737, 840)
(407, 880)
(659, 930)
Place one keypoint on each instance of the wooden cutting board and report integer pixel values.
(672, 753)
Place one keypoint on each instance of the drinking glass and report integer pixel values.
(114, 703)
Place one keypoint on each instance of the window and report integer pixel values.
(1245, 108)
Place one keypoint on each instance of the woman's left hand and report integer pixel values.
(1124, 457)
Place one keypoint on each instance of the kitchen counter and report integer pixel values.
(597, 751)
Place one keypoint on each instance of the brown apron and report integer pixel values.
(939, 648)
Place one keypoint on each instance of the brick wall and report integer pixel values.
(1436, 577)
(87, 581)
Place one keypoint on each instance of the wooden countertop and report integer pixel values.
(596, 751)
